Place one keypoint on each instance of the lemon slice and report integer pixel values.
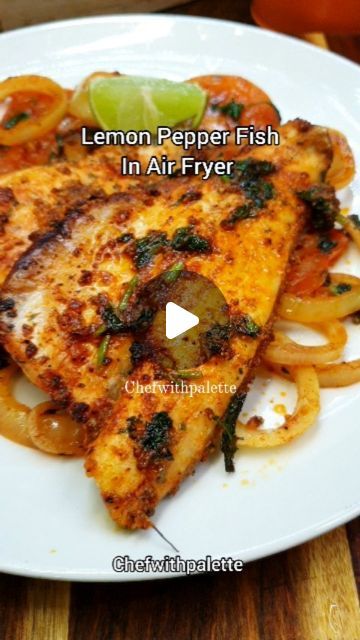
(135, 103)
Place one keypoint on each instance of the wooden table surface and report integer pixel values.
(307, 593)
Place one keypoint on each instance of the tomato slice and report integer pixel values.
(311, 261)
(260, 115)
(234, 101)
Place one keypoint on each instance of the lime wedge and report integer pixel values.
(135, 103)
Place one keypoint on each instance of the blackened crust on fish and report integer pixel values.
(46, 240)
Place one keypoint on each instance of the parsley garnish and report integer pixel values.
(326, 245)
(131, 286)
(102, 350)
(232, 109)
(228, 423)
(16, 119)
(146, 248)
(246, 326)
(185, 239)
(248, 174)
(240, 213)
(323, 205)
(339, 289)
(187, 374)
(173, 273)
(114, 324)
(157, 436)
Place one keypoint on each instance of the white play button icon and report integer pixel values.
(178, 320)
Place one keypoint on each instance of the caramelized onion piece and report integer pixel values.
(13, 414)
(339, 375)
(53, 431)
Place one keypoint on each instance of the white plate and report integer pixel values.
(53, 522)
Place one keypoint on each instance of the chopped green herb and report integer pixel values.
(172, 274)
(248, 174)
(100, 330)
(188, 374)
(157, 436)
(125, 238)
(112, 322)
(184, 239)
(323, 204)
(233, 109)
(251, 169)
(326, 245)
(246, 326)
(225, 178)
(115, 325)
(146, 248)
(128, 293)
(240, 213)
(102, 350)
(16, 119)
(259, 192)
(228, 423)
(339, 289)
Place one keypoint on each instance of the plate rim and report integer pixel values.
(133, 17)
(271, 548)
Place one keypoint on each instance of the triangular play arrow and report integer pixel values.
(178, 320)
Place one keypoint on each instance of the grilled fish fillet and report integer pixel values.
(54, 299)
(36, 198)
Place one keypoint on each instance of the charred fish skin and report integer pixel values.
(63, 288)
(35, 199)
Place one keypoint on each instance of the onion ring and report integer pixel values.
(305, 414)
(13, 414)
(34, 127)
(285, 351)
(343, 374)
(322, 308)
